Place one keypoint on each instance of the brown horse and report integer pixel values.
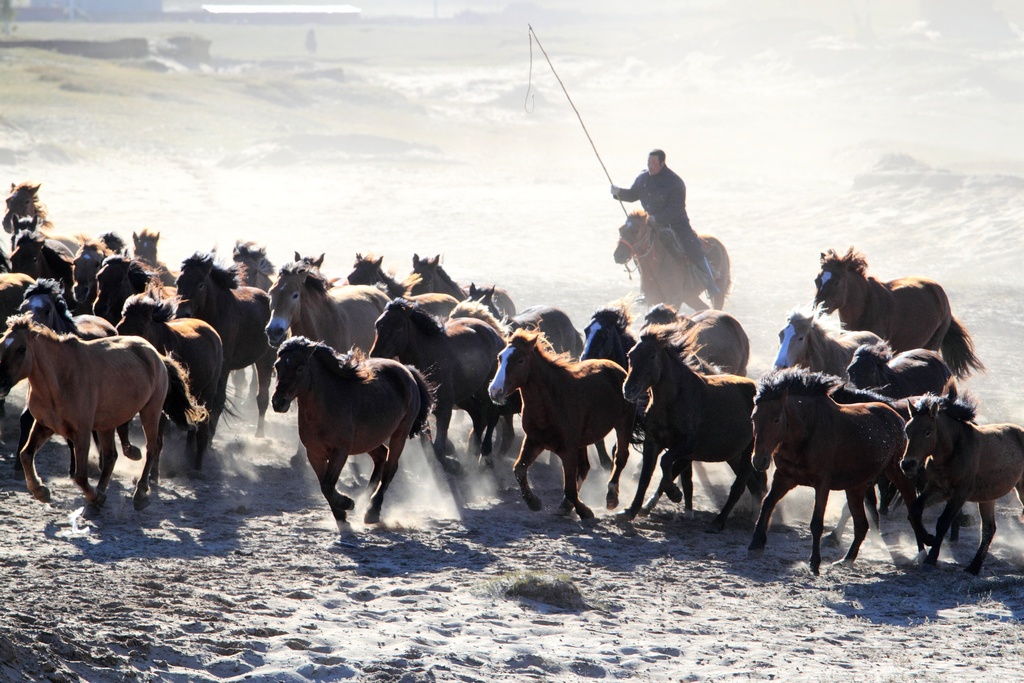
(195, 344)
(38, 256)
(45, 303)
(554, 324)
(348, 405)
(240, 315)
(118, 278)
(433, 278)
(963, 461)
(828, 446)
(911, 373)
(808, 341)
(254, 268)
(145, 244)
(909, 313)
(115, 378)
(696, 417)
(664, 278)
(301, 300)
(367, 270)
(566, 407)
(458, 358)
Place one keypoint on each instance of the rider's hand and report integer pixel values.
(615, 192)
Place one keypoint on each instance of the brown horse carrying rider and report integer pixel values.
(662, 193)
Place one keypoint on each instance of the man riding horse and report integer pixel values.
(662, 193)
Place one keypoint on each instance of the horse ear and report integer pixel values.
(473, 291)
(135, 237)
(950, 389)
(319, 261)
(933, 409)
(822, 256)
(298, 257)
(379, 261)
(415, 259)
(436, 261)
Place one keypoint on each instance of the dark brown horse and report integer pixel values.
(87, 262)
(26, 211)
(145, 250)
(192, 342)
(911, 373)
(254, 268)
(240, 315)
(718, 337)
(115, 378)
(817, 442)
(433, 278)
(118, 278)
(302, 300)
(909, 313)
(458, 358)
(566, 407)
(664, 278)
(963, 462)
(38, 256)
(349, 405)
(367, 270)
(696, 417)
(808, 341)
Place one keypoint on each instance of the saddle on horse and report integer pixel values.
(701, 267)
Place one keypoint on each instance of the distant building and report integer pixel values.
(102, 7)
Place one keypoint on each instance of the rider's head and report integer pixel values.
(655, 161)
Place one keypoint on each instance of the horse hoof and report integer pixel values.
(99, 500)
(585, 513)
(141, 502)
(715, 528)
(343, 526)
(613, 501)
(133, 453)
(371, 517)
(534, 504)
(626, 516)
(674, 494)
(42, 494)
(832, 540)
(451, 465)
(816, 570)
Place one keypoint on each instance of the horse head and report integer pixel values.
(15, 352)
(87, 264)
(196, 283)
(366, 270)
(770, 420)
(645, 362)
(255, 269)
(631, 234)
(485, 297)
(795, 339)
(146, 246)
(514, 364)
(27, 256)
(867, 369)
(393, 329)
(604, 336)
(117, 279)
(22, 204)
(930, 429)
(45, 303)
(286, 299)
(833, 280)
(292, 370)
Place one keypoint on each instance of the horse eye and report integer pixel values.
(295, 296)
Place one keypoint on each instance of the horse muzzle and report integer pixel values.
(276, 333)
(280, 404)
(908, 465)
(498, 396)
(633, 394)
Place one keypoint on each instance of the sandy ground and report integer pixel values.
(796, 128)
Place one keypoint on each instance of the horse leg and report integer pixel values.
(695, 302)
(108, 457)
(948, 516)
(37, 436)
(915, 504)
(528, 454)
(131, 452)
(443, 418)
(25, 422)
(265, 373)
(987, 512)
(506, 435)
(855, 502)
(378, 456)
(603, 459)
(327, 466)
(780, 487)
(154, 422)
(743, 468)
(818, 525)
(81, 440)
(571, 473)
(623, 433)
(650, 459)
(391, 455)
(668, 460)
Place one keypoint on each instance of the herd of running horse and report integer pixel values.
(103, 333)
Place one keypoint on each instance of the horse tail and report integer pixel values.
(958, 350)
(426, 402)
(180, 405)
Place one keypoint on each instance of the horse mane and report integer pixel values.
(158, 310)
(256, 253)
(795, 382)
(351, 366)
(423, 321)
(315, 280)
(152, 234)
(522, 338)
(138, 276)
(820, 330)
(55, 291)
(475, 309)
(880, 352)
(24, 321)
(617, 315)
(852, 260)
(29, 236)
(113, 242)
(962, 407)
(223, 276)
(91, 243)
(672, 338)
(661, 314)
